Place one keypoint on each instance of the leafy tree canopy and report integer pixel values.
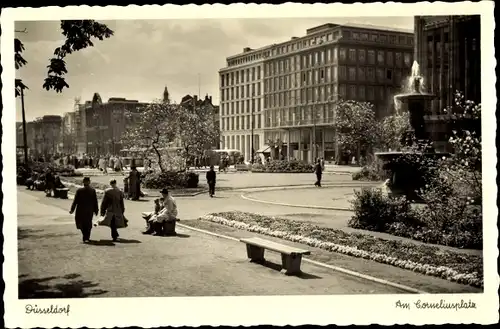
(79, 35)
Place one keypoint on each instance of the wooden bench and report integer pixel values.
(61, 193)
(290, 257)
(169, 227)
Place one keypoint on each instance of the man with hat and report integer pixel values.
(85, 203)
(113, 209)
(167, 213)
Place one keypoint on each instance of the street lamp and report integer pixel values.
(252, 128)
(25, 136)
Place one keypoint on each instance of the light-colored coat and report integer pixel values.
(169, 211)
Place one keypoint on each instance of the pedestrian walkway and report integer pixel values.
(54, 263)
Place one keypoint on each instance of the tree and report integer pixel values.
(197, 130)
(152, 129)
(391, 131)
(356, 126)
(78, 34)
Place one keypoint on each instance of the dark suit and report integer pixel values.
(211, 178)
(86, 206)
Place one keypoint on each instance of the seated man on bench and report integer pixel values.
(167, 213)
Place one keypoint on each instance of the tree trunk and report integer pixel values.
(158, 154)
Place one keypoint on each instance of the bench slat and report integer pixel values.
(274, 246)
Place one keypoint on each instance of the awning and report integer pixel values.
(264, 149)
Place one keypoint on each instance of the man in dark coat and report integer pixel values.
(86, 206)
(319, 171)
(211, 177)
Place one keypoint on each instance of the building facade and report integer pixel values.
(242, 101)
(448, 50)
(69, 133)
(45, 136)
(189, 101)
(106, 123)
(302, 78)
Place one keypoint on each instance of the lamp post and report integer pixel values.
(252, 128)
(25, 137)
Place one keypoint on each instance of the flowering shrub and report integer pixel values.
(283, 166)
(429, 260)
(375, 212)
(172, 179)
(371, 172)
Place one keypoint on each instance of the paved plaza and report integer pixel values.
(54, 263)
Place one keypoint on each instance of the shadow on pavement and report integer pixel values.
(101, 243)
(25, 233)
(42, 288)
(120, 240)
(278, 267)
(177, 235)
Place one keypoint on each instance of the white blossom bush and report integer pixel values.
(459, 267)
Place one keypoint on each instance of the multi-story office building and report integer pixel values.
(106, 123)
(303, 77)
(448, 50)
(241, 101)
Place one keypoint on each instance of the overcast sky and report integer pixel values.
(143, 57)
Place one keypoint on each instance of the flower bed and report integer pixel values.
(429, 260)
(283, 166)
(460, 228)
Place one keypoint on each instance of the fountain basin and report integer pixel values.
(414, 96)
(406, 176)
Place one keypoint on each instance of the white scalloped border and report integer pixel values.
(444, 272)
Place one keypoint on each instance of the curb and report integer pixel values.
(335, 268)
(247, 197)
(294, 205)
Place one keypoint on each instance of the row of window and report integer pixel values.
(322, 57)
(237, 107)
(252, 90)
(329, 93)
(240, 142)
(306, 42)
(360, 56)
(241, 122)
(333, 74)
(241, 76)
(392, 39)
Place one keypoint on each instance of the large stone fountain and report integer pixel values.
(405, 177)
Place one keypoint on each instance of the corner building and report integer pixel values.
(448, 49)
(303, 77)
(241, 101)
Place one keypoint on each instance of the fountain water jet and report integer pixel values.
(404, 179)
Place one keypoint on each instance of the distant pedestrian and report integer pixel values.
(85, 203)
(134, 180)
(211, 178)
(322, 161)
(318, 171)
(113, 210)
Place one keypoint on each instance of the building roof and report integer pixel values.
(322, 27)
(376, 27)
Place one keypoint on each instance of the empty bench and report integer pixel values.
(290, 257)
